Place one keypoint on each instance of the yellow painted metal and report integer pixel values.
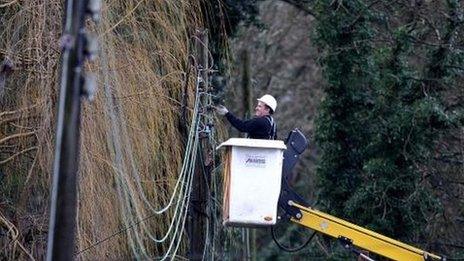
(361, 237)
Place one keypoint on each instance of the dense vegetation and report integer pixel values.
(393, 111)
(389, 128)
(131, 147)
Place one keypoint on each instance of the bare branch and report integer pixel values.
(17, 154)
(9, 3)
(17, 135)
(5, 113)
(14, 232)
(361, 14)
(300, 6)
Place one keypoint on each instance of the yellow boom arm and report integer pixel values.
(360, 237)
(350, 234)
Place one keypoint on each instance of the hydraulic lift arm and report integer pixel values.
(350, 234)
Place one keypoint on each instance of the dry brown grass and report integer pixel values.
(131, 145)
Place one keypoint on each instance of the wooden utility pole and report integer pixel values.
(246, 84)
(76, 47)
(201, 181)
(248, 251)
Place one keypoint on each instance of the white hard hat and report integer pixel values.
(269, 101)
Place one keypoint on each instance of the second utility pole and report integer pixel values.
(198, 207)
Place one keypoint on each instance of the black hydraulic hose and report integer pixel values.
(291, 250)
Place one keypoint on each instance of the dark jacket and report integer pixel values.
(257, 128)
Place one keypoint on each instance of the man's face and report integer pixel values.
(261, 109)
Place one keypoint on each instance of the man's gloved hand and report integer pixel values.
(221, 110)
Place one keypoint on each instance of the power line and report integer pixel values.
(185, 178)
(113, 235)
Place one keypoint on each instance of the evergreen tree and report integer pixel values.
(382, 113)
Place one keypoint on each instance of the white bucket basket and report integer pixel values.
(253, 174)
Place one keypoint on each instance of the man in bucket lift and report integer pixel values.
(262, 126)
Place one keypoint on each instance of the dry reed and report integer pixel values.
(131, 144)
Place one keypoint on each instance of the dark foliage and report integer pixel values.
(385, 110)
(223, 19)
